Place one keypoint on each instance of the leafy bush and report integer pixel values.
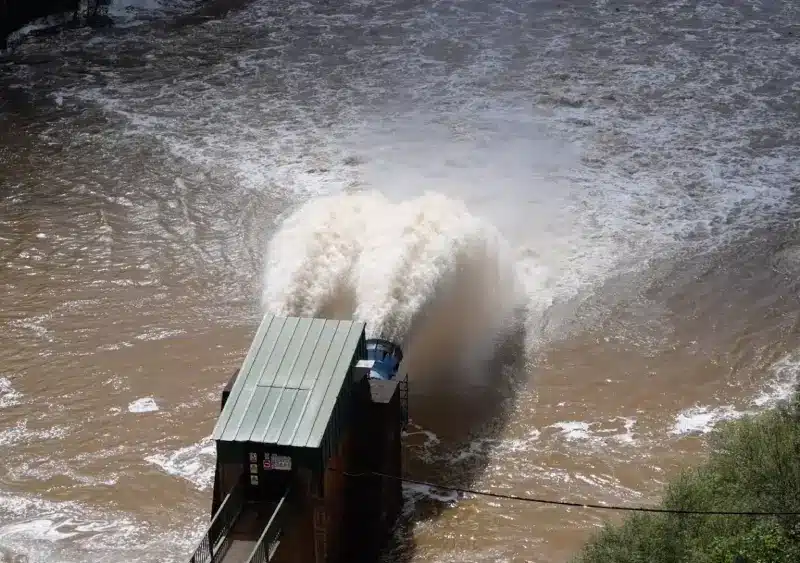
(754, 466)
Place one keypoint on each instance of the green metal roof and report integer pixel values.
(290, 381)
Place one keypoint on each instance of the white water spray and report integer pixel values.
(424, 272)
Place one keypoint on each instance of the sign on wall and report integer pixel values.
(253, 468)
(275, 462)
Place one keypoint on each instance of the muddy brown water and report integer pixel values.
(641, 160)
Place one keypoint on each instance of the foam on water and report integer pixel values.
(45, 530)
(8, 396)
(587, 165)
(145, 404)
(21, 433)
(451, 79)
(777, 389)
(599, 434)
(195, 463)
(702, 419)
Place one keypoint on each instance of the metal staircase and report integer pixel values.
(216, 541)
(225, 539)
(267, 544)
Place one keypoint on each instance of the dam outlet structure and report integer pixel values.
(310, 427)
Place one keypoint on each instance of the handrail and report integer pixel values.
(220, 525)
(268, 542)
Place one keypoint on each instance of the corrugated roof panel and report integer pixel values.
(334, 388)
(305, 354)
(251, 416)
(236, 388)
(330, 360)
(289, 382)
(292, 353)
(294, 417)
(273, 431)
(242, 401)
(264, 353)
(278, 355)
(266, 414)
(319, 354)
(309, 377)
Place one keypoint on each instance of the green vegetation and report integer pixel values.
(754, 466)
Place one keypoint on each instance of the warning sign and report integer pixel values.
(281, 462)
(275, 462)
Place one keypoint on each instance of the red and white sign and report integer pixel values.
(277, 462)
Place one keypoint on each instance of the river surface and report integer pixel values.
(622, 178)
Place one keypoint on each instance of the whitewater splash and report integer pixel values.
(424, 272)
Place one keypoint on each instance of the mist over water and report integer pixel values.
(420, 272)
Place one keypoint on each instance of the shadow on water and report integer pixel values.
(209, 11)
(451, 438)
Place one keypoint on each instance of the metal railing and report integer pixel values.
(210, 549)
(270, 538)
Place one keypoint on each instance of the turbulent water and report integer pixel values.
(423, 273)
(581, 218)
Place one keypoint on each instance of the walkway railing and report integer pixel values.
(215, 541)
(270, 537)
